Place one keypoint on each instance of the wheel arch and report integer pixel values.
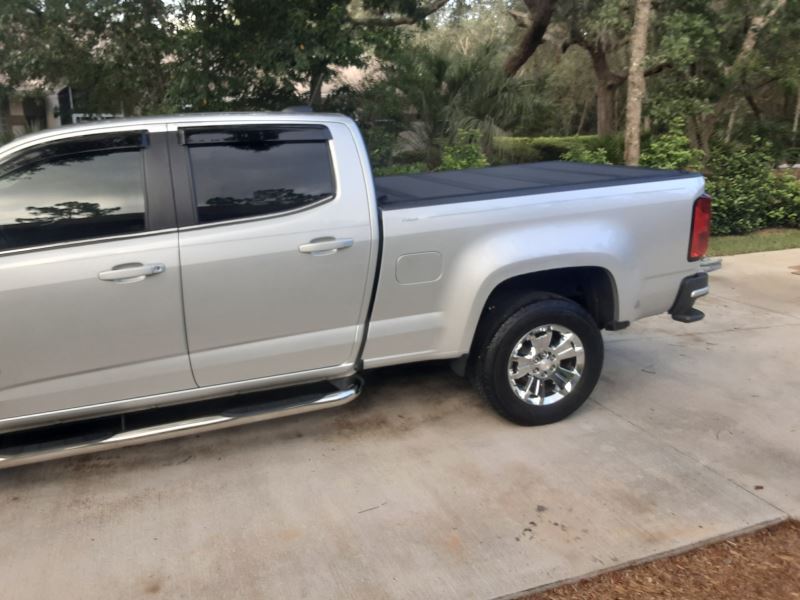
(592, 287)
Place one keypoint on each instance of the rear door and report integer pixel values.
(276, 244)
(90, 308)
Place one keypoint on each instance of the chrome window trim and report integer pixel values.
(59, 134)
(86, 242)
(260, 217)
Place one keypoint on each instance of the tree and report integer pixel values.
(724, 59)
(636, 81)
(438, 88)
(66, 211)
(250, 54)
(167, 55)
(603, 29)
(113, 51)
(734, 73)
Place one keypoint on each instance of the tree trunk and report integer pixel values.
(636, 82)
(731, 123)
(605, 108)
(606, 90)
(796, 121)
(318, 76)
(585, 112)
(707, 124)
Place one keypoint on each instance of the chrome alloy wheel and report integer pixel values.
(546, 364)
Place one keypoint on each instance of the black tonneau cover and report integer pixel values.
(423, 189)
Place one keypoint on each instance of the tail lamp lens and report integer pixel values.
(701, 228)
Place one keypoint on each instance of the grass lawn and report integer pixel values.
(760, 241)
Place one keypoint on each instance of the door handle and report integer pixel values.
(131, 272)
(325, 245)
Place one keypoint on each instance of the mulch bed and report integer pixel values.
(763, 565)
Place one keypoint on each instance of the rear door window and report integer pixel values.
(259, 172)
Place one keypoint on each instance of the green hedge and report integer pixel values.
(511, 150)
(748, 194)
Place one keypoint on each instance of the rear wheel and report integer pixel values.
(541, 362)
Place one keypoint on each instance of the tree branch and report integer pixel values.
(757, 23)
(751, 102)
(656, 69)
(540, 12)
(522, 19)
(359, 14)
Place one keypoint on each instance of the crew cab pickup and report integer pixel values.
(166, 275)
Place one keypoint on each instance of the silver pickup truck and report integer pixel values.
(156, 273)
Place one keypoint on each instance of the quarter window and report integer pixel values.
(71, 191)
(252, 173)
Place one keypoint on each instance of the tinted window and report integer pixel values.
(252, 178)
(69, 192)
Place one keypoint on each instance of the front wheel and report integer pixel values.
(541, 363)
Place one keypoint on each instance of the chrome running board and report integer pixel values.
(40, 448)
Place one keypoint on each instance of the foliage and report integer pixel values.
(244, 55)
(748, 194)
(671, 150)
(596, 156)
(400, 169)
(112, 51)
(465, 153)
(168, 55)
(524, 149)
(430, 90)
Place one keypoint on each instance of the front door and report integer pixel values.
(276, 255)
(90, 308)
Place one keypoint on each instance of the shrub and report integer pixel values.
(597, 156)
(671, 150)
(748, 194)
(533, 149)
(465, 153)
(400, 169)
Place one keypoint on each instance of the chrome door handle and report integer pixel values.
(325, 245)
(131, 272)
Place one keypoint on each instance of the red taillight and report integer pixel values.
(701, 228)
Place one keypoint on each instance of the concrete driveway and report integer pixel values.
(419, 491)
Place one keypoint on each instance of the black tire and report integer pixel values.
(491, 365)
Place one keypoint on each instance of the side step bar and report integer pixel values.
(148, 426)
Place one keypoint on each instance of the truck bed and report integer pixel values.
(424, 189)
